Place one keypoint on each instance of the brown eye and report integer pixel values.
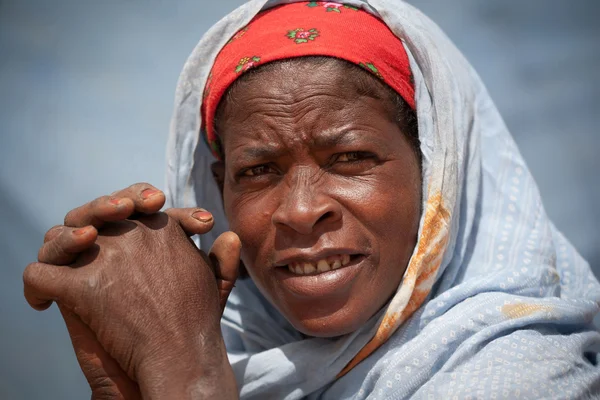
(353, 162)
(257, 171)
(352, 156)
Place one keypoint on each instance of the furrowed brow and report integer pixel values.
(263, 152)
(339, 138)
(334, 138)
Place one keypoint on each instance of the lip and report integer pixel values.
(308, 256)
(324, 284)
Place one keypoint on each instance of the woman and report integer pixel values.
(383, 263)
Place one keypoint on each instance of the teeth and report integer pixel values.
(324, 265)
(345, 259)
(309, 268)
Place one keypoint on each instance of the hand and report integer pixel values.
(151, 299)
(104, 374)
(62, 246)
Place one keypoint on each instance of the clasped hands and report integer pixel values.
(141, 303)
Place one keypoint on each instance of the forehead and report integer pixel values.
(301, 102)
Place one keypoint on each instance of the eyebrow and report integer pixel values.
(348, 136)
(335, 138)
(264, 151)
(325, 140)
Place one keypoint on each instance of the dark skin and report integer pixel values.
(312, 171)
(319, 171)
(122, 303)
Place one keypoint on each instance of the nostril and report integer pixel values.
(301, 213)
(326, 216)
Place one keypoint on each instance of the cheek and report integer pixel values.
(388, 201)
(386, 207)
(249, 216)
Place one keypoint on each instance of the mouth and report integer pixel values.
(321, 276)
(322, 265)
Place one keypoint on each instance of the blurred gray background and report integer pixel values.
(86, 93)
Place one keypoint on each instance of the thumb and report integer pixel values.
(225, 256)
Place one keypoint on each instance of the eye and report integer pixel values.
(257, 170)
(353, 162)
(353, 156)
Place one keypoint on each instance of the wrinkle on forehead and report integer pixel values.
(288, 107)
(322, 73)
(294, 104)
(289, 122)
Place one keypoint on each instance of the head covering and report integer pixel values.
(495, 302)
(308, 29)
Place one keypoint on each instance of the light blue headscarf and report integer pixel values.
(508, 309)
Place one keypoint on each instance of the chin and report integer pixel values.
(325, 330)
(327, 323)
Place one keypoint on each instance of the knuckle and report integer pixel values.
(99, 201)
(175, 213)
(49, 253)
(31, 274)
(56, 255)
(70, 217)
(91, 281)
(28, 274)
(82, 214)
(53, 232)
(111, 255)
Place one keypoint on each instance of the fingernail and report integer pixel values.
(203, 216)
(115, 202)
(81, 231)
(146, 194)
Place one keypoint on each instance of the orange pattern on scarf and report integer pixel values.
(421, 273)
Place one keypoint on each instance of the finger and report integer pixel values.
(99, 211)
(45, 283)
(53, 233)
(194, 221)
(225, 256)
(63, 249)
(138, 198)
(146, 198)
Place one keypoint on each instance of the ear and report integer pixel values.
(218, 172)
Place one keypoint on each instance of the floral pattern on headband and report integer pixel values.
(301, 35)
(238, 35)
(246, 63)
(331, 6)
(372, 69)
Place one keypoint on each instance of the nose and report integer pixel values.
(305, 205)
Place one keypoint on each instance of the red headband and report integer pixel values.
(307, 29)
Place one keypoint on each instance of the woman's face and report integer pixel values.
(324, 192)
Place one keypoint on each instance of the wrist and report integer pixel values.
(188, 371)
